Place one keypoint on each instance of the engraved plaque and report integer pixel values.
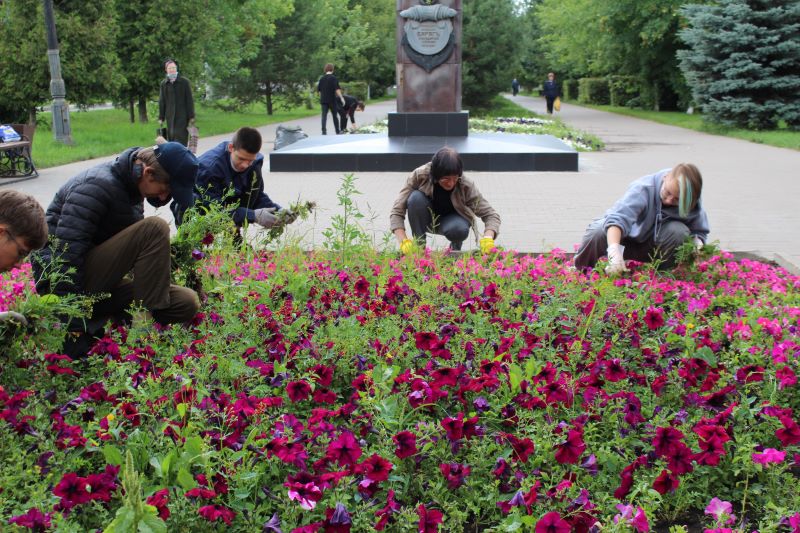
(429, 37)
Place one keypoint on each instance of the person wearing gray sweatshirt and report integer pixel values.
(657, 214)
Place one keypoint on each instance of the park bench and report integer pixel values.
(15, 156)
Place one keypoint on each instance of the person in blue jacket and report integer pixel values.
(658, 213)
(551, 91)
(230, 173)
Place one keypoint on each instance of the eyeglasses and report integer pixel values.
(22, 252)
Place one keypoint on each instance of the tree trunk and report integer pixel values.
(142, 109)
(32, 116)
(269, 98)
(130, 110)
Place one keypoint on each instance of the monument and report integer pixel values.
(429, 114)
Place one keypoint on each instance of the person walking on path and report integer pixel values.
(100, 237)
(440, 200)
(176, 105)
(514, 87)
(656, 215)
(231, 174)
(330, 96)
(551, 91)
(348, 109)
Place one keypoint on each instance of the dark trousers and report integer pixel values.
(334, 116)
(343, 121)
(670, 236)
(454, 227)
(550, 100)
(142, 250)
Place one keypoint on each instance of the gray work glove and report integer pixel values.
(266, 217)
(12, 318)
(288, 216)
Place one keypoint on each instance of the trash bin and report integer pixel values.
(286, 135)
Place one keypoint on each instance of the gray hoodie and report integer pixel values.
(639, 214)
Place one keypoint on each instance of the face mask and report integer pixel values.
(172, 76)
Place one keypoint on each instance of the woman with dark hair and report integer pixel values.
(658, 213)
(440, 200)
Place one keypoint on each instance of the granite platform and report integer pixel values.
(489, 152)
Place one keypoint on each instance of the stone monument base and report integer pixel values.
(429, 124)
(377, 152)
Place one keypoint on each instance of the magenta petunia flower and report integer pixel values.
(429, 519)
(72, 490)
(159, 500)
(375, 468)
(34, 519)
(570, 450)
(307, 494)
(768, 456)
(654, 317)
(552, 523)
(406, 444)
(298, 390)
(666, 482)
(344, 450)
(213, 513)
(385, 514)
(455, 474)
(722, 511)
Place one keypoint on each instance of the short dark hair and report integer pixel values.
(247, 139)
(24, 217)
(446, 162)
(360, 105)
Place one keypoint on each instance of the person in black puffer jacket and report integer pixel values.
(97, 227)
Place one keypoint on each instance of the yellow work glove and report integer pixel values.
(407, 246)
(487, 245)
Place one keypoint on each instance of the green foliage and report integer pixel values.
(490, 46)
(356, 89)
(627, 37)
(593, 91)
(134, 515)
(569, 89)
(622, 90)
(743, 61)
(346, 235)
(86, 33)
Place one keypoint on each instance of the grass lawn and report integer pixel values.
(782, 137)
(106, 132)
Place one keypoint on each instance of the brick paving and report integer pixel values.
(751, 191)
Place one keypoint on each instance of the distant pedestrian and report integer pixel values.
(658, 213)
(351, 105)
(439, 200)
(330, 96)
(551, 91)
(175, 104)
(515, 87)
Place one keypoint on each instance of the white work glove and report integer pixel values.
(616, 261)
(341, 100)
(13, 317)
(266, 217)
(698, 243)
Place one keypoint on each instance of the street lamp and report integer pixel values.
(61, 128)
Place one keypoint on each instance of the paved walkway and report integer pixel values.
(750, 190)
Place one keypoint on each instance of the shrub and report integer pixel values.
(356, 89)
(569, 89)
(622, 90)
(593, 91)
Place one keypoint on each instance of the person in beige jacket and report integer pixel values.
(440, 200)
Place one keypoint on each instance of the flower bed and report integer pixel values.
(359, 392)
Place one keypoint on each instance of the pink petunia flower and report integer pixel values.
(722, 511)
(770, 455)
(429, 519)
(552, 523)
(406, 444)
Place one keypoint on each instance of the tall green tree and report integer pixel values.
(490, 49)
(625, 37)
(743, 61)
(86, 33)
(204, 37)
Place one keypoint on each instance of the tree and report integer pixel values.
(219, 35)
(625, 37)
(490, 49)
(743, 61)
(86, 33)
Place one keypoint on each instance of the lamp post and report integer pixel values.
(61, 128)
